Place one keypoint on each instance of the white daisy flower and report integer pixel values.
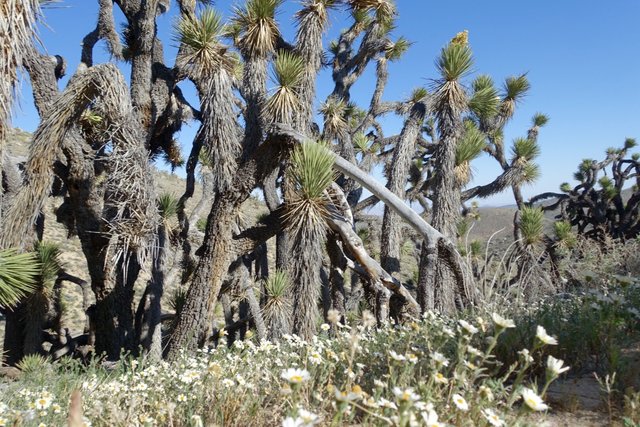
(502, 322)
(439, 359)
(439, 378)
(295, 376)
(468, 327)
(533, 401)
(556, 366)
(545, 338)
(397, 357)
(493, 419)
(460, 402)
(405, 395)
(430, 419)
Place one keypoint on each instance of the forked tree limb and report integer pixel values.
(353, 244)
(429, 233)
(432, 236)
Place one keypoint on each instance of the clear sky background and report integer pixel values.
(582, 59)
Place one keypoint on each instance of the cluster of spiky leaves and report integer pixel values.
(524, 149)
(288, 69)
(315, 9)
(539, 119)
(565, 237)
(454, 63)
(485, 101)
(18, 275)
(203, 52)
(334, 111)
(312, 169)
(531, 224)
(515, 88)
(277, 308)
(254, 27)
(167, 205)
(383, 10)
(361, 143)
(312, 173)
(393, 51)
(48, 254)
(468, 148)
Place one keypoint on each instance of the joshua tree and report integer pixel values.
(102, 134)
(311, 174)
(597, 205)
(17, 19)
(277, 307)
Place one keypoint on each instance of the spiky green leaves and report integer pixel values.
(539, 120)
(277, 308)
(471, 144)
(334, 111)
(317, 10)
(530, 173)
(469, 147)
(524, 149)
(167, 205)
(312, 169)
(419, 94)
(168, 210)
(454, 63)
(485, 100)
(255, 28)
(361, 142)
(203, 52)
(475, 249)
(311, 172)
(516, 87)
(18, 274)
(48, 255)
(277, 284)
(393, 51)
(565, 237)
(531, 224)
(383, 10)
(609, 189)
(288, 70)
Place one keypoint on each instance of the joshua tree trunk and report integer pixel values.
(391, 238)
(148, 317)
(194, 322)
(446, 209)
(306, 248)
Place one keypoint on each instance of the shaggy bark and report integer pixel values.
(306, 249)
(391, 237)
(193, 323)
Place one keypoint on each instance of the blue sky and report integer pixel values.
(582, 59)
